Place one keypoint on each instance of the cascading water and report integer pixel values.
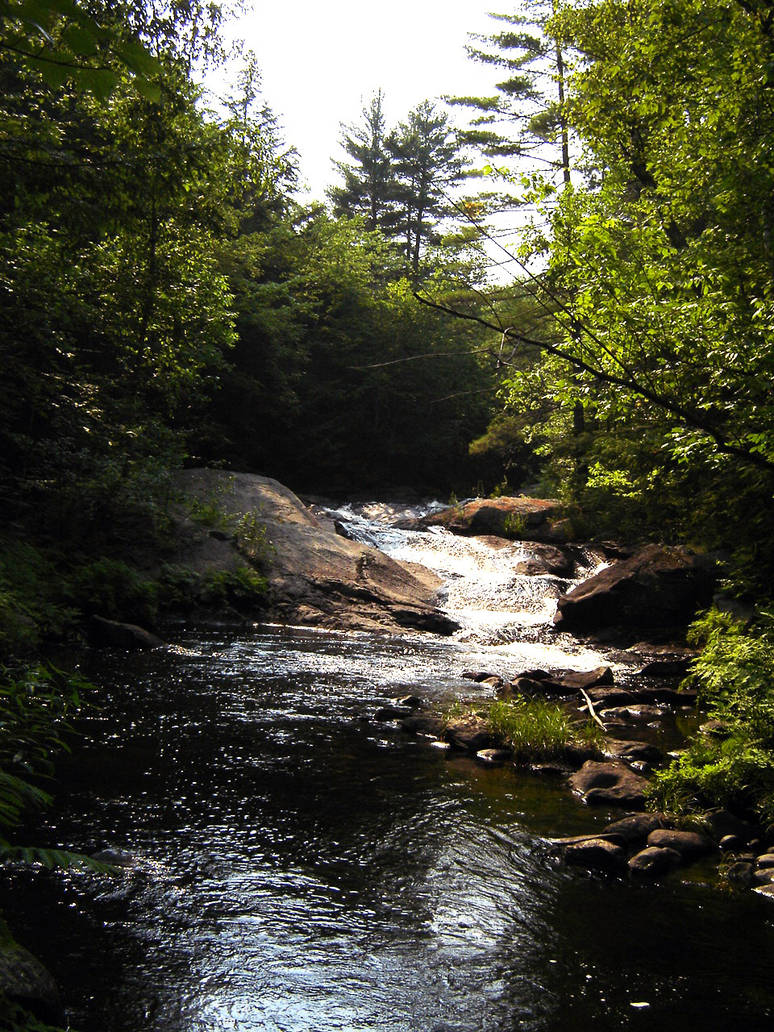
(294, 866)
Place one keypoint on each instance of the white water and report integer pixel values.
(505, 616)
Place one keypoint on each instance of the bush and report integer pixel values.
(734, 676)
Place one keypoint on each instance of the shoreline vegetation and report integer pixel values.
(170, 302)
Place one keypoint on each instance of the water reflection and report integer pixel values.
(299, 867)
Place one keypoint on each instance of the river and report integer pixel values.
(294, 866)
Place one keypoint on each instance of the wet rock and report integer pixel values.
(471, 736)
(639, 713)
(24, 980)
(654, 861)
(636, 828)
(524, 519)
(689, 844)
(766, 861)
(596, 854)
(114, 857)
(666, 668)
(731, 844)
(315, 576)
(657, 586)
(119, 635)
(477, 675)
(388, 713)
(494, 757)
(608, 697)
(740, 874)
(444, 747)
(547, 559)
(494, 682)
(412, 701)
(767, 891)
(423, 724)
(609, 784)
(566, 682)
(720, 823)
(634, 752)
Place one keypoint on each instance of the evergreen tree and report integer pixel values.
(369, 181)
(526, 118)
(427, 162)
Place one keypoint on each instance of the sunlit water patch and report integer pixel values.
(296, 866)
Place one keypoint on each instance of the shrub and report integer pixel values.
(734, 676)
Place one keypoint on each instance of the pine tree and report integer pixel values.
(526, 118)
(427, 161)
(369, 181)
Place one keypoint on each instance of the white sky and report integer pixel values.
(322, 60)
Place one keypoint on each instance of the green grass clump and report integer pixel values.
(537, 729)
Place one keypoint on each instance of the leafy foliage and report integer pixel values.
(735, 678)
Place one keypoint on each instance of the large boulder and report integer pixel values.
(520, 519)
(315, 575)
(659, 586)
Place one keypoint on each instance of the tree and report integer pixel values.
(427, 163)
(526, 119)
(369, 182)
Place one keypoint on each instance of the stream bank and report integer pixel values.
(292, 863)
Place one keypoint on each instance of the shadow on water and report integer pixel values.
(298, 867)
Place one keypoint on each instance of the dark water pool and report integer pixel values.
(297, 867)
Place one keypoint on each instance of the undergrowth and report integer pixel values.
(734, 676)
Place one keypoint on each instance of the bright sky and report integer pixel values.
(322, 60)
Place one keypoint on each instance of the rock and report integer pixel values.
(423, 724)
(596, 854)
(730, 844)
(765, 862)
(387, 713)
(114, 857)
(315, 575)
(608, 697)
(715, 729)
(24, 980)
(639, 713)
(470, 735)
(657, 586)
(566, 682)
(740, 874)
(636, 828)
(609, 784)
(494, 757)
(121, 635)
(412, 701)
(492, 682)
(689, 844)
(523, 519)
(767, 891)
(654, 861)
(546, 559)
(763, 877)
(720, 823)
(633, 752)
(478, 675)
(666, 668)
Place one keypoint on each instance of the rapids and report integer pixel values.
(296, 867)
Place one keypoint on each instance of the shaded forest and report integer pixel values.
(166, 299)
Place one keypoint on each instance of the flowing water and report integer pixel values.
(293, 865)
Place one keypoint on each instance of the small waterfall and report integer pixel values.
(486, 588)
